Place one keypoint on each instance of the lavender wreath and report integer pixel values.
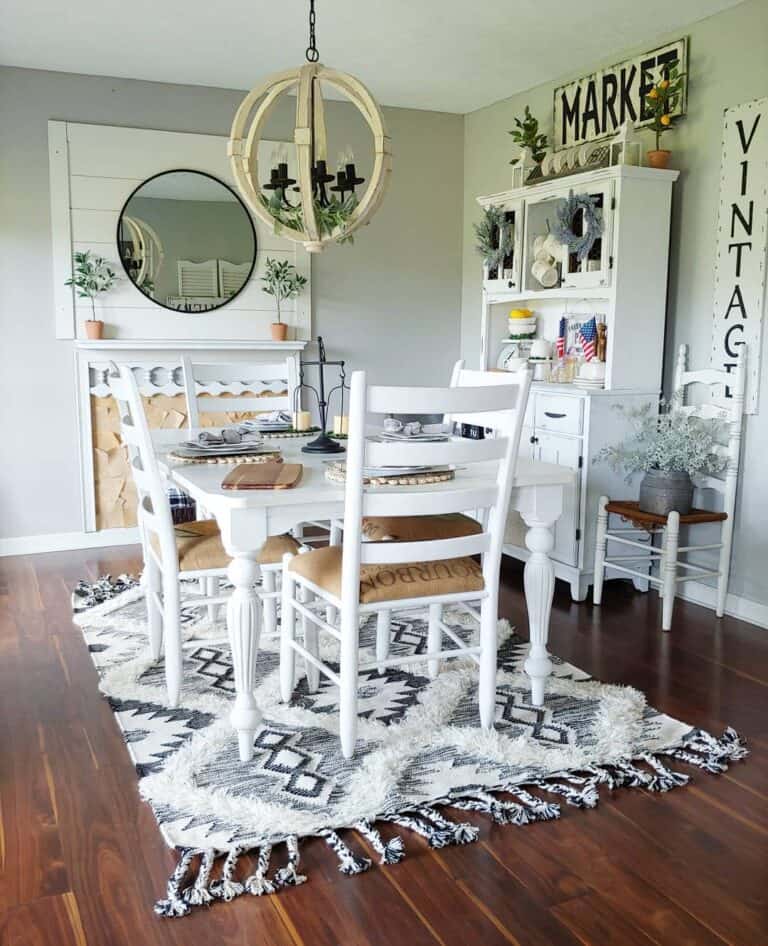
(567, 208)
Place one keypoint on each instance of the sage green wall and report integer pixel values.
(728, 65)
(390, 303)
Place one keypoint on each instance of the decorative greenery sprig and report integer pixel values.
(662, 100)
(91, 275)
(526, 134)
(329, 217)
(671, 440)
(282, 281)
(494, 240)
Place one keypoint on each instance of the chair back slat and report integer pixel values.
(468, 377)
(237, 387)
(424, 501)
(395, 453)
(391, 553)
(729, 409)
(413, 400)
(207, 404)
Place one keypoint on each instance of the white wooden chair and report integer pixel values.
(236, 387)
(227, 387)
(358, 577)
(667, 556)
(421, 528)
(190, 550)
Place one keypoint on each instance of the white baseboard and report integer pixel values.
(68, 541)
(743, 608)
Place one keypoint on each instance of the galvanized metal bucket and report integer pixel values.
(662, 492)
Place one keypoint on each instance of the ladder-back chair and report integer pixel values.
(729, 410)
(365, 577)
(191, 550)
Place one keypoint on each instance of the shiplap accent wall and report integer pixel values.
(94, 169)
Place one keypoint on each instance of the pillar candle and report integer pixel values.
(301, 420)
(341, 424)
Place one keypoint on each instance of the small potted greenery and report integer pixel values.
(91, 276)
(661, 101)
(526, 134)
(669, 447)
(282, 281)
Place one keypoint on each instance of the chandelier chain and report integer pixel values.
(312, 54)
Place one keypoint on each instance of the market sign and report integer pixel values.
(741, 244)
(599, 104)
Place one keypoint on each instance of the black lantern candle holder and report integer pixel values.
(323, 443)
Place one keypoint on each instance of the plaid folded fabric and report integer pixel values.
(183, 507)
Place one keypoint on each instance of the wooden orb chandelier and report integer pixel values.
(322, 214)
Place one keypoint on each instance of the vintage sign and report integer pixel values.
(599, 104)
(742, 241)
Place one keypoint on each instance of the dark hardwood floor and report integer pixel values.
(81, 860)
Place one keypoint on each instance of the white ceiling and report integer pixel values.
(448, 55)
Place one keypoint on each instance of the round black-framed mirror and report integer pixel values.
(186, 241)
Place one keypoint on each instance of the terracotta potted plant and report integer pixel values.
(661, 101)
(669, 447)
(282, 281)
(92, 275)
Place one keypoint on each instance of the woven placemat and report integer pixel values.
(273, 456)
(337, 473)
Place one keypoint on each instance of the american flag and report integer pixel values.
(561, 338)
(588, 335)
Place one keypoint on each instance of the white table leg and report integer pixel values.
(540, 512)
(244, 627)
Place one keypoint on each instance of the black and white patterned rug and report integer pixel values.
(421, 757)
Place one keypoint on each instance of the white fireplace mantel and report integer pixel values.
(156, 362)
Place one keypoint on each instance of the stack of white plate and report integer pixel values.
(522, 326)
(587, 385)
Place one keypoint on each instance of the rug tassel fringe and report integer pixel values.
(390, 852)
(457, 832)
(258, 884)
(349, 862)
(578, 792)
(198, 894)
(436, 829)
(289, 876)
(174, 905)
(226, 888)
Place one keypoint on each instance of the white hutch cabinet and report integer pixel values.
(624, 280)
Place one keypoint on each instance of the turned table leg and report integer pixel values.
(540, 515)
(244, 626)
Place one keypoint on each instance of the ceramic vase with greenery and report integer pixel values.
(282, 281)
(669, 447)
(91, 276)
(661, 101)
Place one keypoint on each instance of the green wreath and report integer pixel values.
(489, 232)
(567, 208)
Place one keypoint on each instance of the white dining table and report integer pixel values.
(246, 518)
